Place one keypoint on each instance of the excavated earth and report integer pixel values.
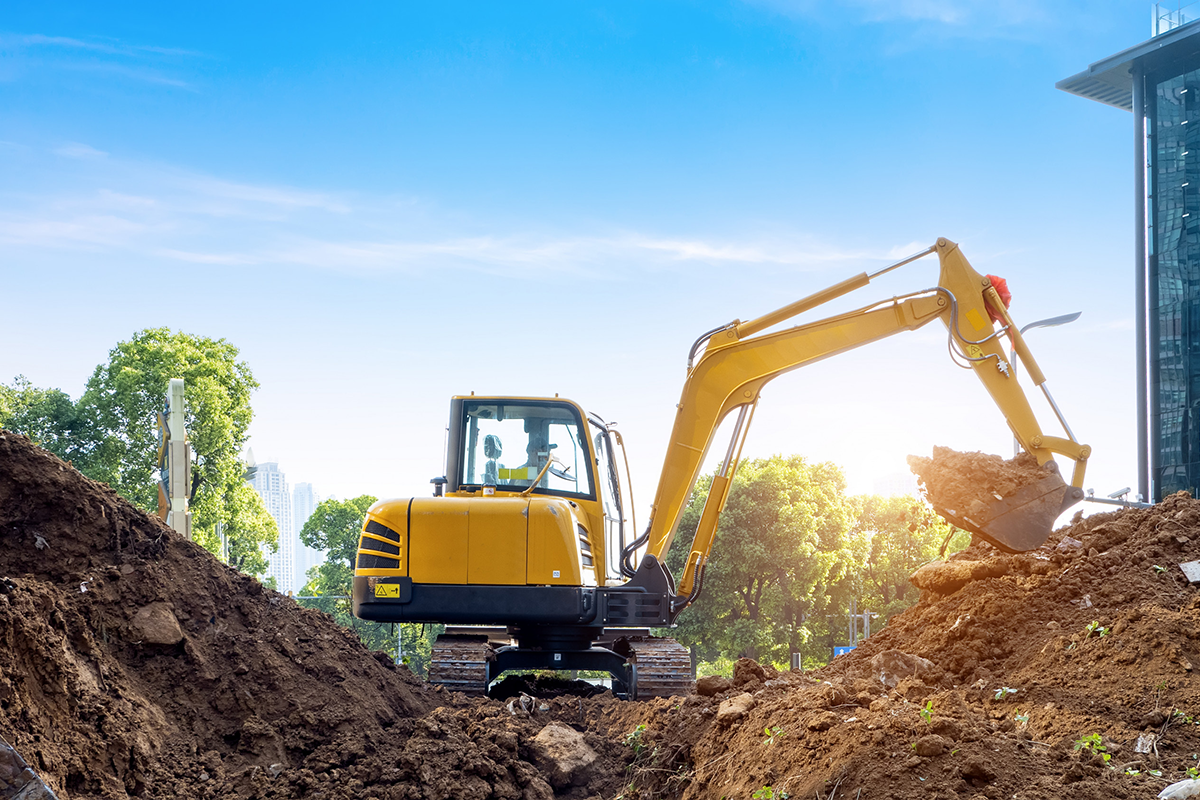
(965, 483)
(133, 664)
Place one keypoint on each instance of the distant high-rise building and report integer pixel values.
(304, 502)
(272, 487)
(1158, 80)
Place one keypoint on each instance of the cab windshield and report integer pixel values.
(508, 443)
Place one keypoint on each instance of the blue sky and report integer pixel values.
(386, 204)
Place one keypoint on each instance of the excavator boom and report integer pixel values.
(738, 360)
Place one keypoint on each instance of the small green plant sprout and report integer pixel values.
(769, 793)
(1004, 691)
(1158, 570)
(926, 712)
(1021, 719)
(1192, 772)
(773, 733)
(636, 740)
(1093, 743)
(1132, 771)
(1155, 772)
(1095, 627)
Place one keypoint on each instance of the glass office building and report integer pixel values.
(1159, 81)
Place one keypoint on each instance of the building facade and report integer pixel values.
(272, 487)
(304, 502)
(1159, 81)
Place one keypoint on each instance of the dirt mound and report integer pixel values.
(1035, 679)
(966, 483)
(132, 663)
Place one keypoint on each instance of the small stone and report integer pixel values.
(204, 776)
(711, 685)
(156, 624)
(892, 666)
(1068, 544)
(563, 755)
(127, 569)
(735, 708)
(931, 745)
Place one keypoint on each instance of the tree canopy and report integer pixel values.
(111, 433)
(334, 527)
(792, 550)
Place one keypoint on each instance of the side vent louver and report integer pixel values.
(585, 547)
(379, 547)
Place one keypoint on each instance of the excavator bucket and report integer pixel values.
(1023, 520)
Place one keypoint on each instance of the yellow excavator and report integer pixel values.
(527, 530)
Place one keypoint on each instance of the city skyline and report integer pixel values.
(290, 507)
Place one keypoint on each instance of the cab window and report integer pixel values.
(508, 443)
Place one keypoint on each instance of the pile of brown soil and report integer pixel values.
(1016, 680)
(1034, 680)
(133, 663)
(966, 483)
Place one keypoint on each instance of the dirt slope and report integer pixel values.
(1016, 674)
(257, 698)
(254, 697)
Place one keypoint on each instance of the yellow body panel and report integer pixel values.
(496, 545)
(498, 540)
(551, 533)
(438, 540)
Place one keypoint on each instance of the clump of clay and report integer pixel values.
(967, 483)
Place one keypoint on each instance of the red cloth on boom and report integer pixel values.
(1001, 287)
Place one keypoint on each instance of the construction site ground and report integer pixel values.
(134, 664)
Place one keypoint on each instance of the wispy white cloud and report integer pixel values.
(162, 213)
(11, 41)
(968, 18)
(78, 150)
(145, 63)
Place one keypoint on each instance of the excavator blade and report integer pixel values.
(1023, 520)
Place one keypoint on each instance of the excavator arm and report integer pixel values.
(738, 360)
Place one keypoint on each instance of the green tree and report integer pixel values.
(121, 403)
(792, 552)
(780, 545)
(47, 416)
(900, 534)
(334, 527)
